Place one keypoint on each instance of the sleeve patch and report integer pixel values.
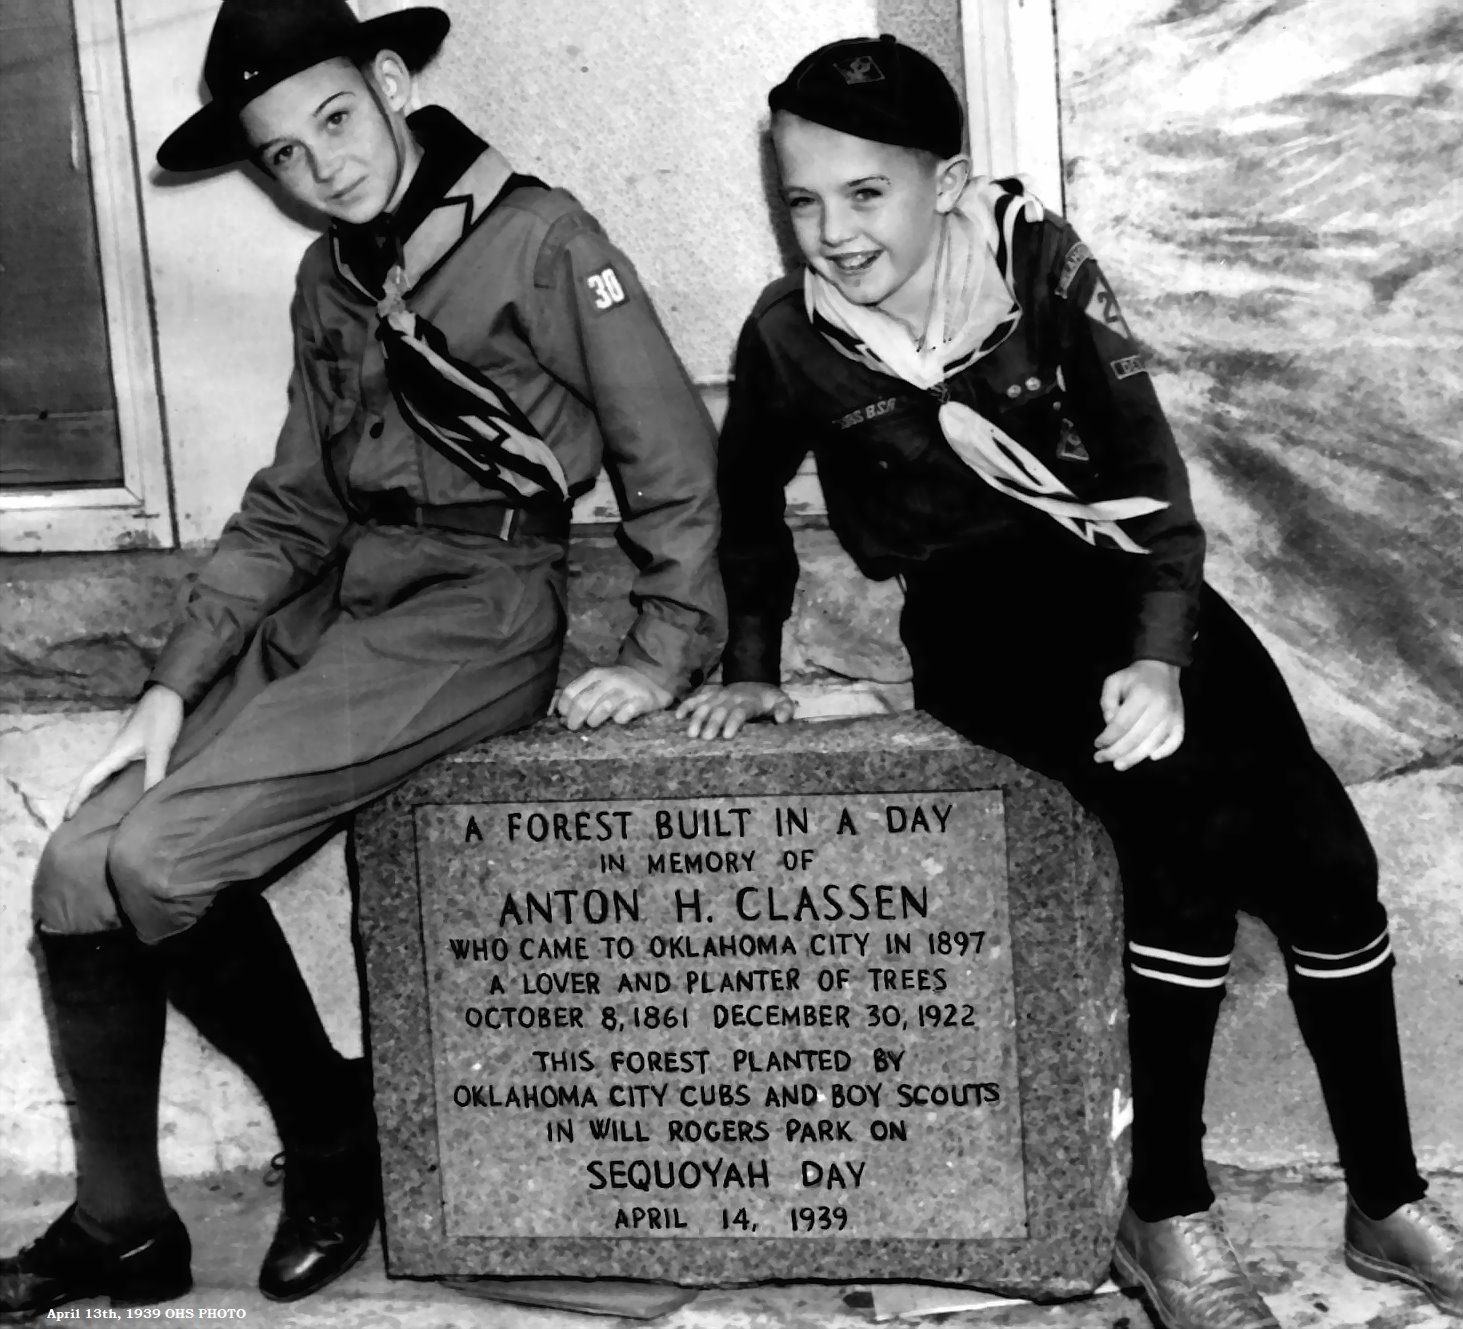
(1077, 255)
(1128, 366)
(605, 289)
(1102, 308)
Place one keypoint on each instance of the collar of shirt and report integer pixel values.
(448, 148)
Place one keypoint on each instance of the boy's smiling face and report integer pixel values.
(866, 215)
(323, 136)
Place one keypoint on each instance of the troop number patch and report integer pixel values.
(606, 289)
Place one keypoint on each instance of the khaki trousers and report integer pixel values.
(420, 643)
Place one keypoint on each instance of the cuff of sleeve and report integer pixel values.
(634, 657)
(189, 661)
(753, 651)
(1166, 628)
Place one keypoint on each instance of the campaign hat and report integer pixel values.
(875, 88)
(256, 44)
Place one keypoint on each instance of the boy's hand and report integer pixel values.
(147, 735)
(717, 710)
(1144, 711)
(614, 692)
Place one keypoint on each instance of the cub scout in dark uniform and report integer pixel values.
(469, 347)
(985, 428)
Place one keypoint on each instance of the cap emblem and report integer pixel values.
(861, 69)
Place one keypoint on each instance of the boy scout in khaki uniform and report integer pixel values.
(469, 347)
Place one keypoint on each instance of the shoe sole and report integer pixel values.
(1129, 1274)
(300, 1293)
(1384, 1271)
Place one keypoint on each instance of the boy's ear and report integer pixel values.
(951, 177)
(393, 78)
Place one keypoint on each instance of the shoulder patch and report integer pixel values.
(605, 289)
(1128, 366)
(1077, 255)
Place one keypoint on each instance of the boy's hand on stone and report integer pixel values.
(1144, 711)
(717, 710)
(148, 735)
(613, 692)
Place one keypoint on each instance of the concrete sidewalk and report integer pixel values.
(1287, 1227)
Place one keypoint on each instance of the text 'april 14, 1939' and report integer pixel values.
(753, 1017)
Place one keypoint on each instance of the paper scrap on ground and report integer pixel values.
(628, 1298)
(911, 1300)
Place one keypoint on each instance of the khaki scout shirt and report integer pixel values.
(535, 296)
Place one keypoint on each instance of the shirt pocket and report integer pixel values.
(1044, 419)
(342, 385)
(899, 437)
(1033, 404)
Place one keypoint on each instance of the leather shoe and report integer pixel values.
(1421, 1243)
(1189, 1273)
(68, 1264)
(331, 1202)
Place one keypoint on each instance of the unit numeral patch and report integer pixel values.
(1103, 308)
(606, 289)
(1128, 366)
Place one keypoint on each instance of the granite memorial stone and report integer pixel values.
(828, 1001)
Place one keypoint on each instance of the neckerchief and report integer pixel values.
(450, 404)
(449, 147)
(973, 309)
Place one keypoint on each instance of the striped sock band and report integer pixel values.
(1343, 964)
(1178, 967)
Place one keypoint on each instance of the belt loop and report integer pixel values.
(510, 523)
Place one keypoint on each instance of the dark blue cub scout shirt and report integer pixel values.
(1068, 384)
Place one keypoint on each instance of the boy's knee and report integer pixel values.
(70, 894)
(1333, 848)
(1355, 860)
(1335, 883)
(143, 877)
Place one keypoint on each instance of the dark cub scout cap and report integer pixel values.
(878, 89)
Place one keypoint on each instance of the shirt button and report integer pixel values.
(1032, 383)
(882, 464)
(378, 427)
(1014, 390)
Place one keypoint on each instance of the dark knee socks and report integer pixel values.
(1350, 1027)
(1170, 1036)
(233, 974)
(109, 1007)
